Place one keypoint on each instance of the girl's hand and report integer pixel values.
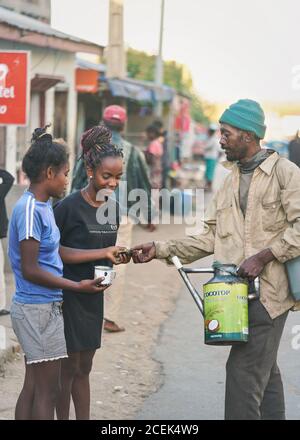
(92, 286)
(118, 255)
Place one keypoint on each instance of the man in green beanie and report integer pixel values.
(253, 221)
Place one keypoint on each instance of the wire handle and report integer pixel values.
(177, 263)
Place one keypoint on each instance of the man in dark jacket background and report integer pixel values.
(6, 182)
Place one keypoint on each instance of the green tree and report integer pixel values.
(201, 111)
(141, 65)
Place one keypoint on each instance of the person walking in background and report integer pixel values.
(177, 148)
(77, 219)
(135, 176)
(154, 153)
(253, 222)
(6, 182)
(36, 259)
(165, 157)
(211, 155)
(294, 149)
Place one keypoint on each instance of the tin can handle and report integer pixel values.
(254, 286)
(195, 294)
(177, 263)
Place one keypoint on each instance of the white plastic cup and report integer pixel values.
(106, 272)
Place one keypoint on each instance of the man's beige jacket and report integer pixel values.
(272, 221)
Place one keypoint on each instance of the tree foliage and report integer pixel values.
(141, 65)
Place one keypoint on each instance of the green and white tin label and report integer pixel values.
(226, 312)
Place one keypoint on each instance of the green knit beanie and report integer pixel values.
(246, 115)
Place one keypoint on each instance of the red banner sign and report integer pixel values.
(14, 87)
(87, 81)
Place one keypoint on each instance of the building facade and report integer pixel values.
(53, 95)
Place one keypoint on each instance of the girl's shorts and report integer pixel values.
(40, 331)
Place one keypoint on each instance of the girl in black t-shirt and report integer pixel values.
(80, 220)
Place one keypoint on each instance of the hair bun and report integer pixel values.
(85, 142)
(96, 137)
(41, 134)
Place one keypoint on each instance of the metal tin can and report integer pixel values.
(226, 307)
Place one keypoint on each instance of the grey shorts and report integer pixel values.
(40, 331)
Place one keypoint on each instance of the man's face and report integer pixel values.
(233, 143)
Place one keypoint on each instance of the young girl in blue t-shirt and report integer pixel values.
(35, 254)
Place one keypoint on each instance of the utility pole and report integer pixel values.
(159, 71)
(116, 57)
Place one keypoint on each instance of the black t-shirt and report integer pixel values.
(79, 229)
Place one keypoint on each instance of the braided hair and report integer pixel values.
(43, 153)
(96, 145)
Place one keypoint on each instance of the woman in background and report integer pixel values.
(154, 153)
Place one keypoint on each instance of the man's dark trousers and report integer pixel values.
(254, 389)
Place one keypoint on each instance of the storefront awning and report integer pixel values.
(41, 83)
(89, 65)
(140, 90)
(136, 90)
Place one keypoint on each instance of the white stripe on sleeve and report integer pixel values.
(31, 217)
(27, 216)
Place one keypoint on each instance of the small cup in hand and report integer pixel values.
(105, 272)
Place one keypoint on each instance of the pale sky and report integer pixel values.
(234, 48)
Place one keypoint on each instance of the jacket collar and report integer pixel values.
(266, 166)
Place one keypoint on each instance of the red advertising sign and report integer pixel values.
(87, 81)
(14, 87)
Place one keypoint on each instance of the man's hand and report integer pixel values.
(144, 253)
(252, 267)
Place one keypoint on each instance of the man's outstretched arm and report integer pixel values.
(187, 249)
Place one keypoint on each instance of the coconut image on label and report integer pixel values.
(213, 325)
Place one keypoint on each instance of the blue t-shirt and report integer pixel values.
(33, 219)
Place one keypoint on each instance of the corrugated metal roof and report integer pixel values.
(30, 24)
(88, 65)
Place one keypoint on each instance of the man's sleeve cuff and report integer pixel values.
(161, 249)
(280, 252)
